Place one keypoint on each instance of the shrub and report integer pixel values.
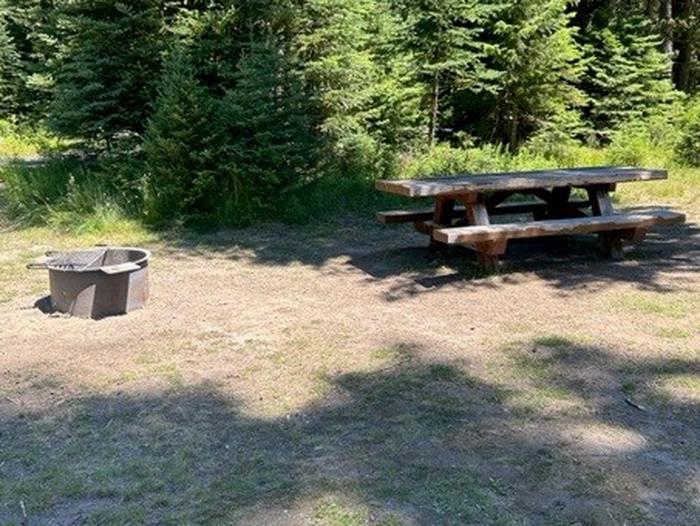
(647, 142)
(445, 160)
(22, 140)
(688, 147)
(183, 147)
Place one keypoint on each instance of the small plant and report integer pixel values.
(688, 148)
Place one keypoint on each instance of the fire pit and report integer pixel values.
(98, 282)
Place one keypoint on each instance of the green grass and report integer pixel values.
(676, 305)
(673, 333)
(68, 194)
(337, 514)
(22, 141)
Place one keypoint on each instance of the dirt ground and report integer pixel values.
(343, 375)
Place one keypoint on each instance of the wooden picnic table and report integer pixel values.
(464, 205)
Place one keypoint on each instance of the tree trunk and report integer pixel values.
(653, 10)
(513, 132)
(684, 65)
(686, 49)
(668, 28)
(434, 110)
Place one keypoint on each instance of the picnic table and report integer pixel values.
(465, 204)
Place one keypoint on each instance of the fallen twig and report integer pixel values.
(635, 405)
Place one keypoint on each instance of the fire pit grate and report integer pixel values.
(78, 260)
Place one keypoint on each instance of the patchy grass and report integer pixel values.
(333, 513)
(680, 387)
(676, 305)
(673, 333)
(265, 385)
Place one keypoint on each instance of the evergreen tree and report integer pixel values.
(540, 64)
(338, 63)
(398, 119)
(182, 146)
(445, 37)
(106, 80)
(32, 26)
(628, 75)
(10, 72)
(359, 76)
(272, 146)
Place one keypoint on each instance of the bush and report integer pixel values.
(448, 160)
(17, 140)
(688, 147)
(649, 142)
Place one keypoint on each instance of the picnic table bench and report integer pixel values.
(464, 205)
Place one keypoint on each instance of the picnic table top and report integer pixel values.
(514, 181)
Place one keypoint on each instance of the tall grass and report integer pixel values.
(24, 141)
(67, 194)
(83, 196)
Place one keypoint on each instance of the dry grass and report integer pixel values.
(339, 376)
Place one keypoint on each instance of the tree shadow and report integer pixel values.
(416, 443)
(401, 259)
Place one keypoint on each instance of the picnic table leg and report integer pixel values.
(602, 205)
(559, 205)
(442, 216)
(487, 251)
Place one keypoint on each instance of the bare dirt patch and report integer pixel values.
(343, 375)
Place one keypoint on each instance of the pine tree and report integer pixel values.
(628, 76)
(449, 52)
(32, 26)
(10, 72)
(338, 63)
(272, 146)
(398, 118)
(540, 64)
(358, 74)
(183, 145)
(110, 65)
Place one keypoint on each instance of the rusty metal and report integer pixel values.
(99, 282)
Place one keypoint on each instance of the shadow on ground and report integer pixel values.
(383, 253)
(414, 443)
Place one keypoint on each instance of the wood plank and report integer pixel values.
(442, 215)
(555, 227)
(427, 227)
(487, 251)
(444, 210)
(461, 183)
(391, 217)
(602, 206)
(477, 214)
(601, 202)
